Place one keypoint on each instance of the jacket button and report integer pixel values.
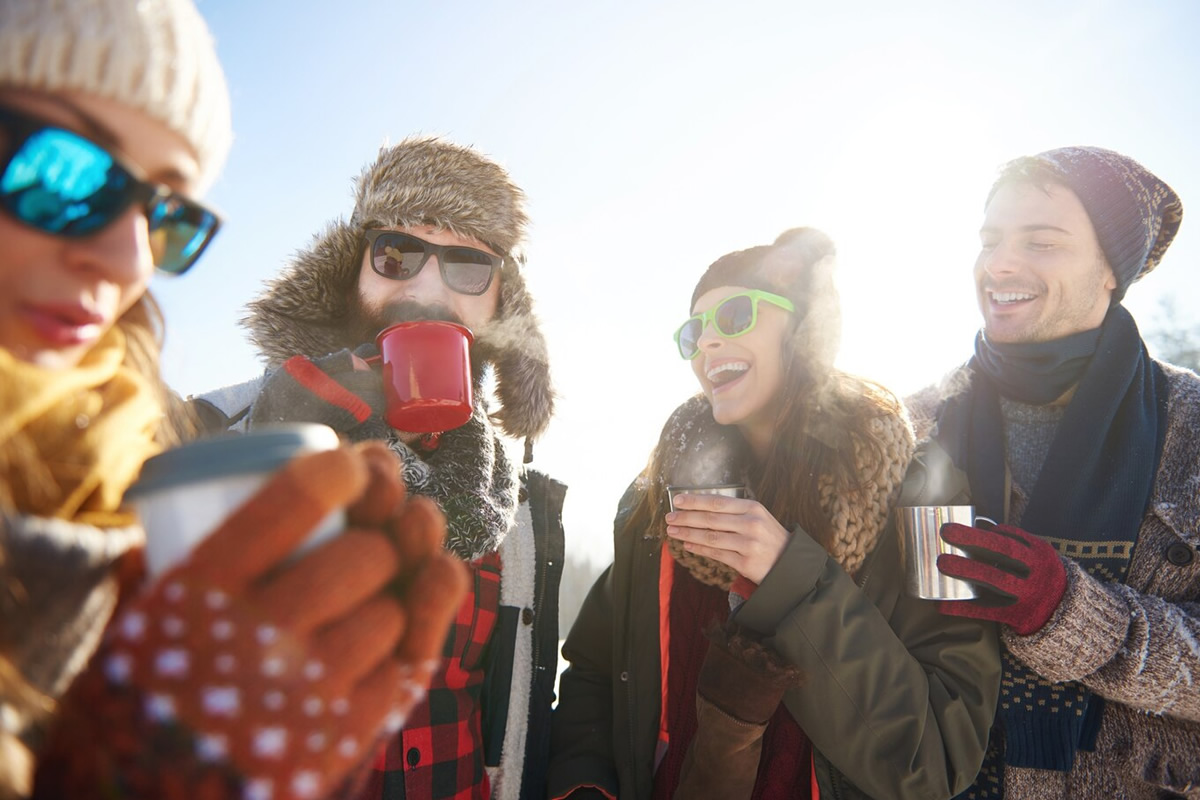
(527, 616)
(413, 757)
(624, 677)
(1180, 554)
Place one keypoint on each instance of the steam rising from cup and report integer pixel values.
(708, 461)
(715, 456)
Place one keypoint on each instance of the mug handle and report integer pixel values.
(988, 524)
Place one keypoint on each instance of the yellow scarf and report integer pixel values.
(72, 440)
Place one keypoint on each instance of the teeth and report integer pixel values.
(728, 366)
(1010, 297)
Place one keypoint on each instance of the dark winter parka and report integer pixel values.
(896, 698)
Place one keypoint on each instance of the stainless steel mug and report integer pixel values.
(921, 544)
(728, 490)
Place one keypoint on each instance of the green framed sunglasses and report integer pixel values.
(732, 317)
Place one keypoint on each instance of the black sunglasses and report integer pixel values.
(59, 182)
(400, 256)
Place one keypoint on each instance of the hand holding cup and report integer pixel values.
(284, 670)
(735, 531)
(1022, 571)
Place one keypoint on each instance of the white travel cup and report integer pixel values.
(183, 494)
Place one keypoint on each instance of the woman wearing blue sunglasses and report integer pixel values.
(228, 676)
(762, 645)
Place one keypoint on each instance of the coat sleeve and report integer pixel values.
(895, 696)
(581, 738)
(1136, 649)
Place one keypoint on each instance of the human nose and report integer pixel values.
(997, 259)
(709, 338)
(119, 253)
(427, 284)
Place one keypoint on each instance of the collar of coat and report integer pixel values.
(858, 513)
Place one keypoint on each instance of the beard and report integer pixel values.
(366, 321)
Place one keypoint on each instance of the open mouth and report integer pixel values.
(1010, 298)
(727, 372)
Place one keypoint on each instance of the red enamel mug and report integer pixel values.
(426, 375)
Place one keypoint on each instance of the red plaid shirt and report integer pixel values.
(439, 753)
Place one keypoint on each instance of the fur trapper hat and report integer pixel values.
(420, 181)
(153, 55)
(1134, 213)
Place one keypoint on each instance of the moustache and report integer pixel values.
(414, 311)
(374, 320)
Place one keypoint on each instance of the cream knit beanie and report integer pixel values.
(154, 55)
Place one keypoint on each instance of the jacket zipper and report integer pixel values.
(540, 570)
(835, 779)
(629, 698)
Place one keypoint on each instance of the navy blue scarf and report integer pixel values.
(1089, 499)
(1036, 373)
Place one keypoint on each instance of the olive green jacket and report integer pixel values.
(897, 698)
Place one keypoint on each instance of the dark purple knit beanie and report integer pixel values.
(1135, 214)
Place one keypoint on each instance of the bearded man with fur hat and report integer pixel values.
(484, 730)
(1063, 428)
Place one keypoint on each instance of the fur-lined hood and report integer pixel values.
(307, 309)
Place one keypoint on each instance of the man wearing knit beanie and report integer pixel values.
(1083, 448)
(426, 212)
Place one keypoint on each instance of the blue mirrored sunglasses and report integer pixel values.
(64, 184)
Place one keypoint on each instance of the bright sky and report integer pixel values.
(653, 137)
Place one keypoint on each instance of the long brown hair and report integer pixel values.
(144, 328)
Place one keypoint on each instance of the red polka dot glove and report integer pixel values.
(1024, 571)
(245, 673)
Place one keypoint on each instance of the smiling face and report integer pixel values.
(427, 288)
(59, 296)
(742, 377)
(1041, 274)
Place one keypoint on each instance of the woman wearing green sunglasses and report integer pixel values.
(795, 664)
(114, 115)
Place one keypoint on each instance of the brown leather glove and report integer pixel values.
(243, 672)
(741, 685)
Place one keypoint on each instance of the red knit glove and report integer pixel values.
(339, 390)
(1016, 565)
(243, 672)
